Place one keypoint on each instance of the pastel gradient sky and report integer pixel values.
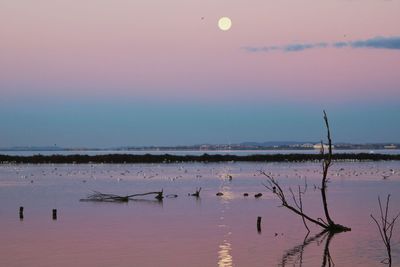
(101, 73)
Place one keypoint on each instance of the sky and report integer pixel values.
(99, 73)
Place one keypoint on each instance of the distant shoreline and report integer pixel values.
(205, 158)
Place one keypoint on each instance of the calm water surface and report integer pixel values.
(186, 231)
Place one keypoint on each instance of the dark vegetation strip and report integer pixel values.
(167, 158)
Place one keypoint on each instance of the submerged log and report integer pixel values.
(101, 197)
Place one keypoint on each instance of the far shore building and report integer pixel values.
(307, 145)
(325, 146)
(204, 147)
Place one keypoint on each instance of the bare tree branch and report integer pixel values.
(386, 228)
(276, 189)
(301, 206)
(297, 208)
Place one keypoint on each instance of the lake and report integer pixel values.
(188, 231)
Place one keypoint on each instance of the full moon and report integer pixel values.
(224, 23)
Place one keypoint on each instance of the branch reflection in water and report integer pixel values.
(294, 256)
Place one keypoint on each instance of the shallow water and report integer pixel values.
(189, 231)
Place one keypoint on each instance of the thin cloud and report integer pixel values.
(285, 48)
(302, 47)
(340, 44)
(378, 43)
(374, 43)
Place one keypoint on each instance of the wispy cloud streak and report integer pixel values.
(378, 42)
(373, 43)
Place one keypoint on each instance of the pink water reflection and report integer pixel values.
(209, 231)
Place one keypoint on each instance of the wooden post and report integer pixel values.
(21, 213)
(259, 224)
(54, 214)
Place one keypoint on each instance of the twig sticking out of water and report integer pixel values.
(385, 228)
(197, 193)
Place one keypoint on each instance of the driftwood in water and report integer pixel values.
(297, 207)
(100, 197)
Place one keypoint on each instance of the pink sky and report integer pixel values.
(107, 73)
(161, 48)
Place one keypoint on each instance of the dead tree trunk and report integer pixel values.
(325, 166)
(276, 189)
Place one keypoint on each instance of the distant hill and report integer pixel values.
(32, 148)
(274, 143)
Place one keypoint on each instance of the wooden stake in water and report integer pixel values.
(54, 214)
(259, 224)
(21, 213)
